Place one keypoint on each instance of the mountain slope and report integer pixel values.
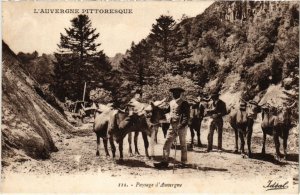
(243, 48)
(30, 126)
(41, 68)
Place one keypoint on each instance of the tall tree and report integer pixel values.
(162, 36)
(137, 67)
(181, 52)
(78, 60)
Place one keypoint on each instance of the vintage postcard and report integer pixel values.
(150, 97)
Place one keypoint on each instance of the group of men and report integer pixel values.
(179, 110)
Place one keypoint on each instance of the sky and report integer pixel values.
(26, 31)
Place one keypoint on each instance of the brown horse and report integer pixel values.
(197, 112)
(155, 115)
(113, 125)
(242, 121)
(277, 123)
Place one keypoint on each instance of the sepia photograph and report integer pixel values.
(150, 97)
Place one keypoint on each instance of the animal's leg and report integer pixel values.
(136, 150)
(121, 149)
(198, 133)
(98, 145)
(242, 141)
(155, 137)
(285, 135)
(105, 146)
(165, 127)
(152, 141)
(277, 143)
(236, 134)
(249, 135)
(263, 150)
(129, 142)
(146, 144)
(285, 146)
(192, 135)
(113, 147)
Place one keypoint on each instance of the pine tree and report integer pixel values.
(170, 43)
(137, 67)
(162, 37)
(78, 60)
(181, 52)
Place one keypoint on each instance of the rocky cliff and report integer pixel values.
(30, 126)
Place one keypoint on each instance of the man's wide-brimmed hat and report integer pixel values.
(215, 94)
(176, 89)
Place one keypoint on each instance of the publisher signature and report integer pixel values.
(273, 185)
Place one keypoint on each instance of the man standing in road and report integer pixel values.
(179, 115)
(217, 111)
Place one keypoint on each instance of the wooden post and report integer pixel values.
(84, 93)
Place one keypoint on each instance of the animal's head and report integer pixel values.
(155, 111)
(283, 113)
(125, 122)
(102, 108)
(252, 109)
(267, 110)
(136, 107)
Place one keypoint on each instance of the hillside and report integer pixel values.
(39, 67)
(240, 48)
(30, 126)
(115, 61)
(258, 41)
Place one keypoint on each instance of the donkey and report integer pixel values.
(277, 123)
(113, 125)
(197, 112)
(242, 121)
(155, 115)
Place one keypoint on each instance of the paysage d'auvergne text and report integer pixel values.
(150, 185)
(83, 11)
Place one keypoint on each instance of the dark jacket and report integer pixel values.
(219, 109)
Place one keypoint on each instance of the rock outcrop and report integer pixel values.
(30, 126)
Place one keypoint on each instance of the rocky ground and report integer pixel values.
(76, 159)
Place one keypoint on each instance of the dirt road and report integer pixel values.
(77, 155)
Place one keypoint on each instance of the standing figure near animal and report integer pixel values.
(132, 109)
(179, 115)
(242, 121)
(277, 123)
(154, 113)
(196, 116)
(216, 111)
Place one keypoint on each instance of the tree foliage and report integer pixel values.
(162, 37)
(137, 67)
(160, 91)
(100, 95)
(78, 60)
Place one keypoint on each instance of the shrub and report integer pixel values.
(100, 95)
(258, 75)
(160, 91)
